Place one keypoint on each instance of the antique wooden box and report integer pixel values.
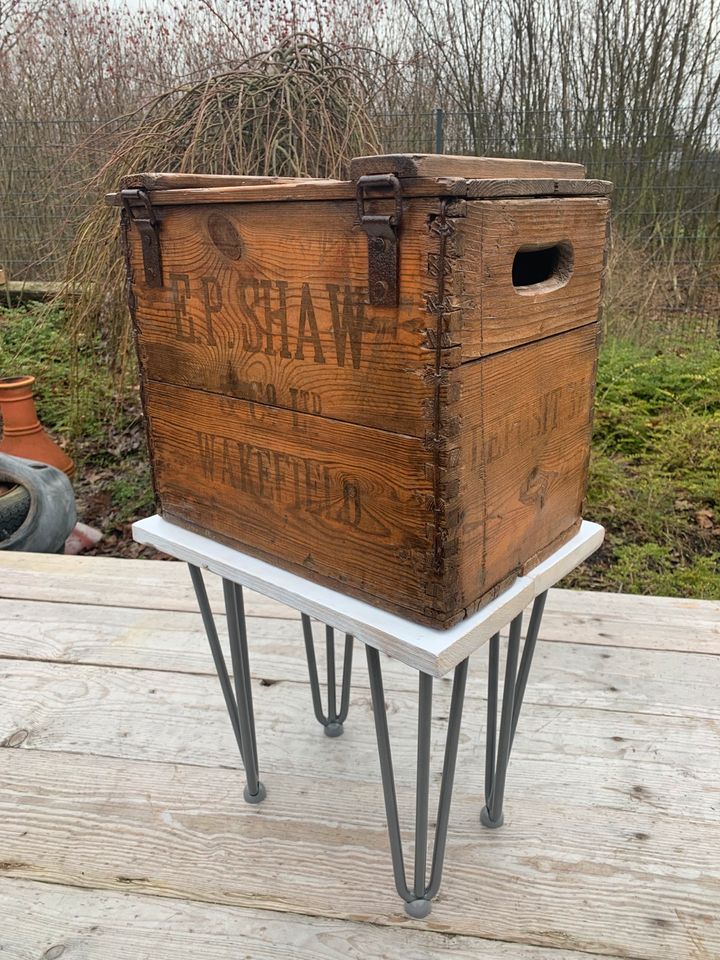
(383, 384)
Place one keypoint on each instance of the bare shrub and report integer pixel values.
(295, 110)
(631, 88)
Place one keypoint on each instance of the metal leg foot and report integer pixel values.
(239, 702)
(255, 797)
(418, 899)
(498, 748)
(332, 721)
(487, 822)
(418, 909)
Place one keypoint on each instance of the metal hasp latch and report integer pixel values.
(382, 233)
(139, 210)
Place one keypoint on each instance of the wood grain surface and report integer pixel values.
(123, 833)
(433, 164)
(103, 711)
(497, 315)
(194, 181)
(626, 669)
(82, 924)
(513, 480)
(337, 502)
(523, 445)
(535, 187)
(267, 302)
(190, 190)
(351, 443)
(179, 830)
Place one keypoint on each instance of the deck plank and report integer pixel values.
(599, 883)
(112, 581)
(615, 678)
(653, 623)
(122, 831)
(139, 715)
(108, 925)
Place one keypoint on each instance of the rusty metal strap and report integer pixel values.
(139, 210)
(382, 234)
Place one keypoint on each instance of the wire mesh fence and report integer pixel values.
(664, 271)
(41, 164)
(665, 264)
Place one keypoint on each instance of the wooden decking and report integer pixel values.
(123, 833)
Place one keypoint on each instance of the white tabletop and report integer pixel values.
(427, 649)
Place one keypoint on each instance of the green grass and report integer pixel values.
(79, 401)
(655, 470)
(654, 476)
(74, 392)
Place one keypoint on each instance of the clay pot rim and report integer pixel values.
(24, 380)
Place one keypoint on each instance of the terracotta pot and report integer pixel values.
(23, 434)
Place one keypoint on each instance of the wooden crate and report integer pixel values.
(392, 396)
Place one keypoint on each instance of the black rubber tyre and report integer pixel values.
(51, 514)
(14, 508)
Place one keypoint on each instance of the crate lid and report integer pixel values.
(404, 165)
(421, 175)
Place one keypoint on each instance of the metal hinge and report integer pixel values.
(382, 234)
(149, 228)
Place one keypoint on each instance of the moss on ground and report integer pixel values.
(654, 476)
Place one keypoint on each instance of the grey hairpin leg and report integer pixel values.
(417, 900)
(497, 750)
(333, 721)
(239, 702)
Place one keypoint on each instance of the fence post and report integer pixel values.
(439, 130)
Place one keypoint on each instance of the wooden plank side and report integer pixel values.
(111, 581)
(339, 503)
(175, 181)
(268, 303)
(576, 673)
(83, 924)
(497, 314)
(524, 447)
(449, 165)
(289, 191)
(635, 608)
(298, 189)
(170, 194)
(536, 187)
(609, 883)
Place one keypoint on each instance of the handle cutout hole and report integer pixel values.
(538, 268)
